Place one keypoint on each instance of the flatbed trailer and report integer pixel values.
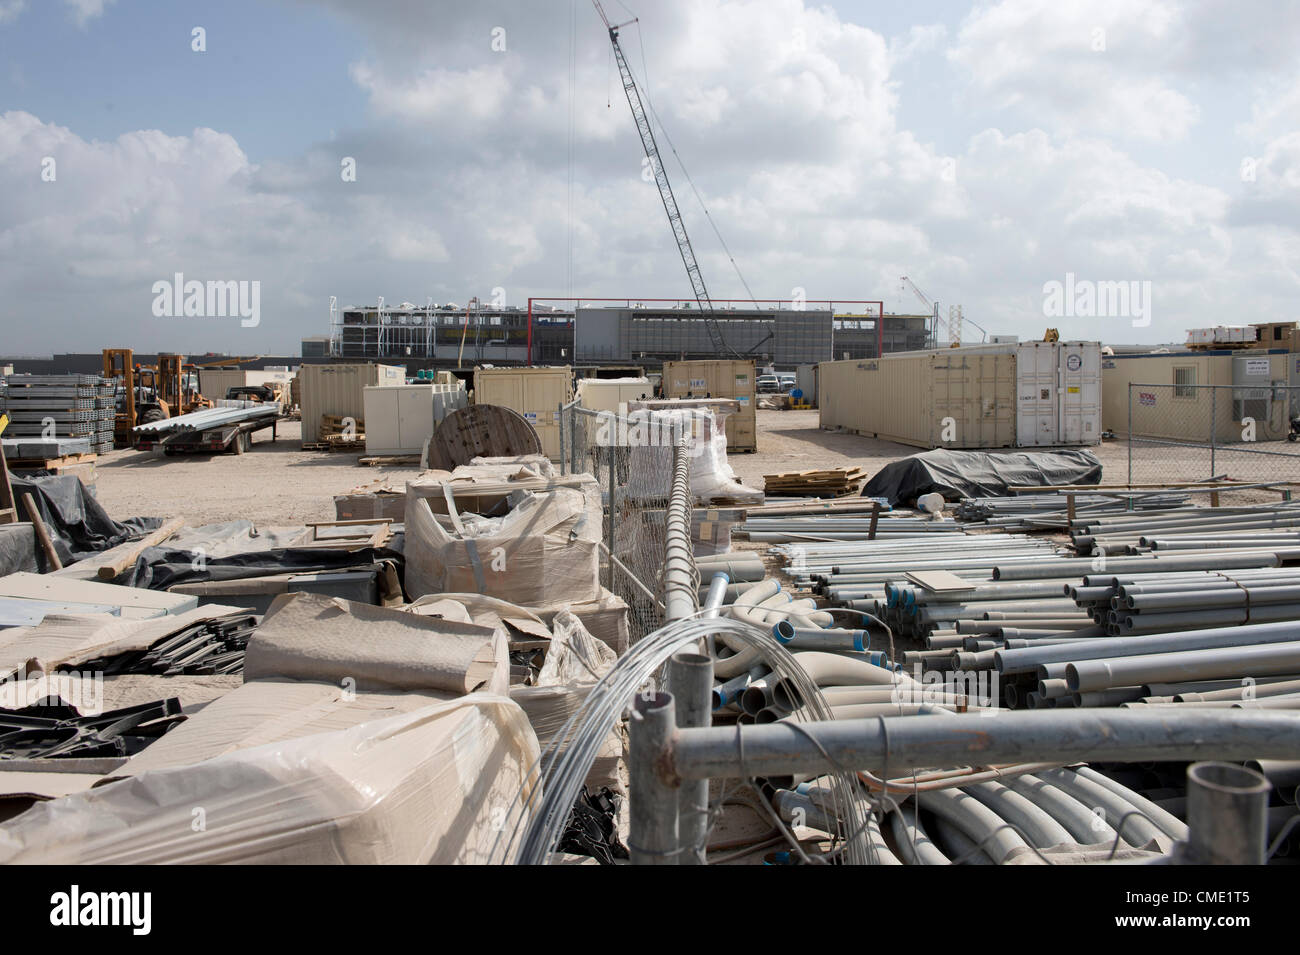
(223, 439)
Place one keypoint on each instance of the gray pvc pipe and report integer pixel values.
(1254, 660)
(981, 824)
(960, 846)
(1023, 661)
(1118, 811)
(1174, 827)
(1085, 826)
(914, 844)
(1035, 824)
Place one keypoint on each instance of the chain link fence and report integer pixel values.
(1185, 432)
(635, 473)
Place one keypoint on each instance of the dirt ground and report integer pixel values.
(278, 483)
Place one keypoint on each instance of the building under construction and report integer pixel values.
(608, 331)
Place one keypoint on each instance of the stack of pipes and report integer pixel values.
(1189, 528)
(837, 526)
(851, 665)
(1049, 511)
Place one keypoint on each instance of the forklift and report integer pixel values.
(150, 393)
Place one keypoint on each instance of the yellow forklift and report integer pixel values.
(150, 393)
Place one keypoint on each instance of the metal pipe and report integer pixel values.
(1227, 814)
(679, 574)
(963, 739)
(652, 814)
(690, 684)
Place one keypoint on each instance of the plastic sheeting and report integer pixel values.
(77, 523)
(434, 785)
(544, 550)
(960, 474)
(652, 434)
(313, 637)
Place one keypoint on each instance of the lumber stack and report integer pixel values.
(826, 482)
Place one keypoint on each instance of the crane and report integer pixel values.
(933, 334)
(665, 188)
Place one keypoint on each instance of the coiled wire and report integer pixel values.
(546, 808)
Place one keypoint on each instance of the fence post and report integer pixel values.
(1130, 434)
(1214, 427)
(609, 523)
(564, 456)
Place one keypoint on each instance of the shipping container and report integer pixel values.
(719, 378)
(609, 394)
(339, 390)
(536, 393)
(1030, 394)
(400, 419)
(215, 382)
(1058, 394)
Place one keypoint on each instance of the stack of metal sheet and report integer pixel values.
(61, 408)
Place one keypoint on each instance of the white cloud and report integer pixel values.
(10, 10)
(83, 11)
(1099, 67)
(789, 120)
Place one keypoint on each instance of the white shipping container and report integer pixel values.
(608, 394)
(400, 419)
(1058, 393)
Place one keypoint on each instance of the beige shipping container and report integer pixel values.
(214, 382)
(536, 393)
(720, 378)
(909, 397)
(339, 390)
(610, 394)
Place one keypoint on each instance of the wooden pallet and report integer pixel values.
(829, 482)
(391, 460)
(51, 464)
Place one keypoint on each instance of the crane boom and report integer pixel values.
(665, 190)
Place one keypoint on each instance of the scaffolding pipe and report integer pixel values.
(1227, 814)
(690, 684)
(961, 739)
(681, 585)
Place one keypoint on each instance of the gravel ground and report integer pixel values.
(277, 483)
(274, 483)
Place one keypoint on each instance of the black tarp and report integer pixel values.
(961, 474)
(158, 568)
(76, 522)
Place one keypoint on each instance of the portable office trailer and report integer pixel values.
(536, 393)
(400, 419)
(1030, 394)
(608, 394)
(1176, 407)
(339, 390)
(719, 378)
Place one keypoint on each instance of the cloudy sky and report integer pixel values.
(982, 149)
